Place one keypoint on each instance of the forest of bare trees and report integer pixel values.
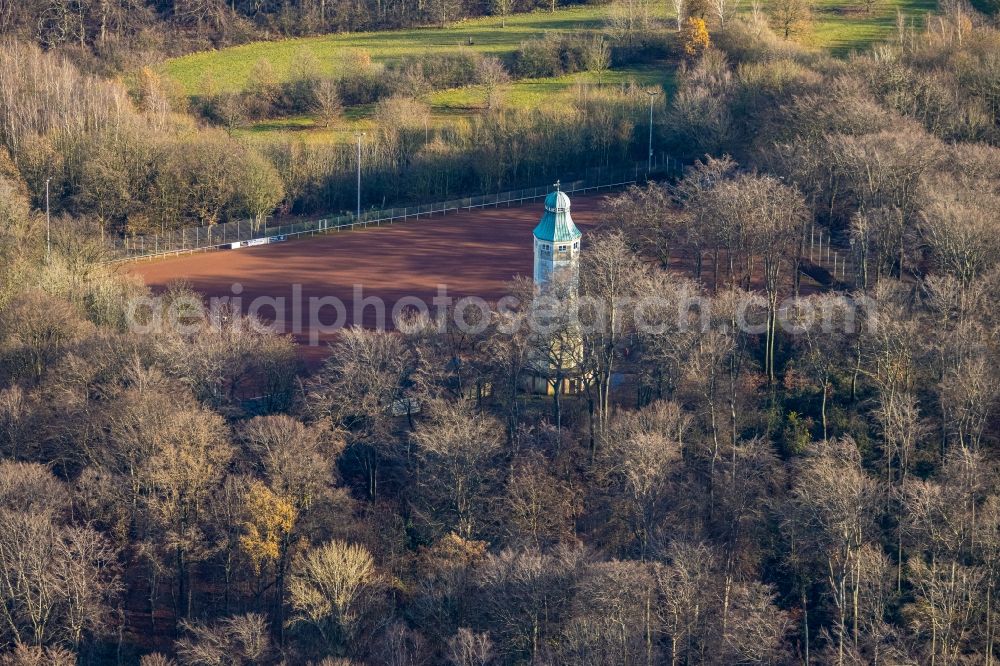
(716, 493)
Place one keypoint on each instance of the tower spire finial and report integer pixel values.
(557, 185)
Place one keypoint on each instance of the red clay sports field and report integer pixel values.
(473, 253)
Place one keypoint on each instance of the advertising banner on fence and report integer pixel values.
(253, 242)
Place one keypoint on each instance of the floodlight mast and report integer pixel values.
(649, 157)
(358, 136)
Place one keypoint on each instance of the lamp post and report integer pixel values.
(649, 158)
(48, 225)
(358, 136)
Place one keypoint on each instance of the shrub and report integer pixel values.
(645, 47)
(365, 88)
(537, 58)
(440, 70)
(552, 55)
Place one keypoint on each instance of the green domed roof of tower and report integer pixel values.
(556, 225)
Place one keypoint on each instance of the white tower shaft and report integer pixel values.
(556, 244)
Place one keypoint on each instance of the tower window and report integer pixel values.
(562, 248)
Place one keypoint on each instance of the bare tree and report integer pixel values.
(770, 215)
(960, 226)
(493, 77)
(56, 583)
(879, 237)
(790, 17)
(503, 9)
(35, 655)
(950, 595)
(445, 11)
(297, 460)
(258, 189)
(611, 277)
(556, 352)
(402, 126)
(643, 450)
(508, 343)
(894, 163)
(968, 397)
(235, 640)
(31, 487)
(902, 430)
(943, 521)
(457, 450)
(833, 502)
(649, 220)
(613, 619)
(540, 506)
(467, 648)
(626, 18)
(37, 329)
(358, 388)
(331, 589)
(14, 210)
(686, 583)
(177, 480)
(402, 646)
(598, 57)
(756, 627)
(525, 596)
(328, 105)
(680, 13)
(723, 10)
(261, 88)
(669, 335)
(231, 109)
(822, 328)
(711, 220)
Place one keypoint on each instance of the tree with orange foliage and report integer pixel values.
(270, 518)
(696, 38)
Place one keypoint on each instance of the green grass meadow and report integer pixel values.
(837, 25)
(842, 27)
(230, 68)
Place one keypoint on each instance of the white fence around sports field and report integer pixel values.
(245, 234)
